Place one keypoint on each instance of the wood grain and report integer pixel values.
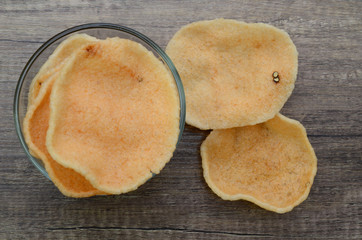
(177, 204)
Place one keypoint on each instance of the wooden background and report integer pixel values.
(177, 204)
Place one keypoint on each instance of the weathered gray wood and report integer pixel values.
(177, 204)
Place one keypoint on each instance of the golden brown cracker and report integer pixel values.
(228, 71)
(271, 164)
(114, 115)
(68, 181)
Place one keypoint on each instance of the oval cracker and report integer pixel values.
(114, 115)
(271, 164)
(227, 71)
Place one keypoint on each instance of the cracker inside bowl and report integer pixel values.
(176, 112)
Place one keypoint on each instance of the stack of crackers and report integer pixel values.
(237, 77)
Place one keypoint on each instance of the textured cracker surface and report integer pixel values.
(56, 61)
(36, 123)
(271, 164)
(114, 115)
(226, 68)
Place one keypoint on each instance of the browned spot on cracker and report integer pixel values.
(91, 50)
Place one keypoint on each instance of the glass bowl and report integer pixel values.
(100, 31)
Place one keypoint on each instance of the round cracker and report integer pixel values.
(271, 164)
(56, 61)
(227, 70)
(114, 115)
(68, 181)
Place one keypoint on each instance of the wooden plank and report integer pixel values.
(177, 204)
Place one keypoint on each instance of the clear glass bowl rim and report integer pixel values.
(87, 26)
